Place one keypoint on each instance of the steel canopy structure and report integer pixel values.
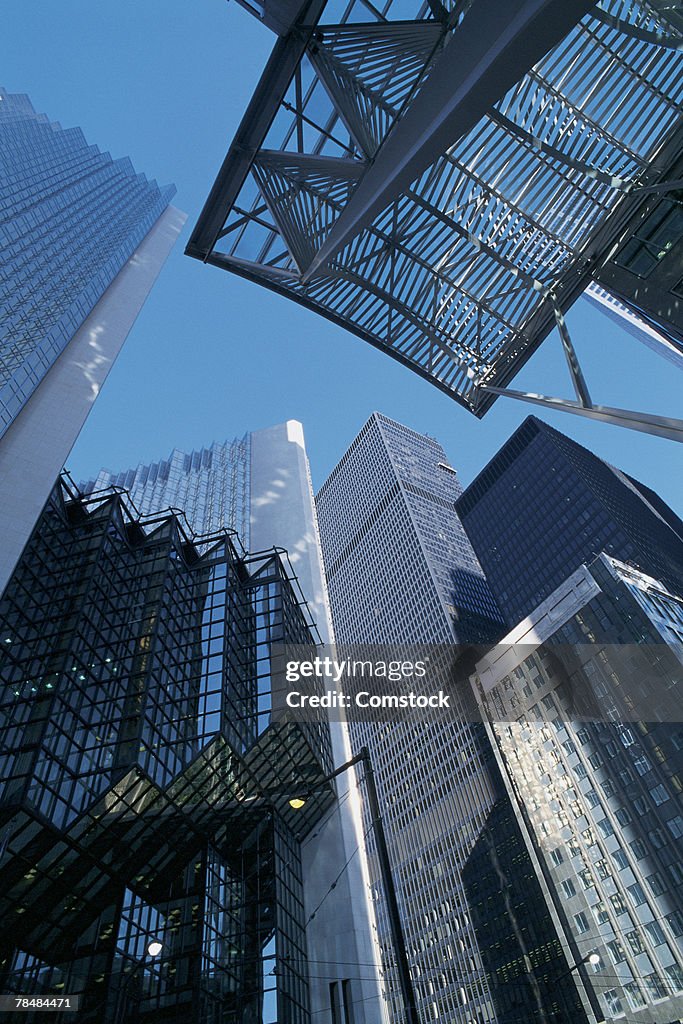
(446, 180)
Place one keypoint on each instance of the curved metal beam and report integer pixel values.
(492, 49)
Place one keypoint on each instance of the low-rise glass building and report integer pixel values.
(143, 788)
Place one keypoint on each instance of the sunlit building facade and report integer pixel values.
(583, 700)
(83, 238)
(210, 485)
(258, 485)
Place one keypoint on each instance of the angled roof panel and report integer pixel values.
(460, 271)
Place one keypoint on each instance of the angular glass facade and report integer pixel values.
(71, 218)
(141, 781)
(544, 505)
(401, 571)
(83, 238)
(600, 798)
(211, 485)
(260, 485)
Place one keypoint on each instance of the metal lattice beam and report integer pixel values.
(445, 188)
(647, 423)
(477, 67)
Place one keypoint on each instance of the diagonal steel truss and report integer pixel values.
(446, 186)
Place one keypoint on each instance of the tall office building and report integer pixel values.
(401, 571)
(638, 325)
(584, 702)
(544, 505)
(212, 486)
(260, 485)
(143, 786)
(84, 238)
(389, 531)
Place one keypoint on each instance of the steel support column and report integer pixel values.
(648, 423)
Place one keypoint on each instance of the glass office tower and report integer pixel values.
(211, 485)
(389, 529)
(83, 239)
(260, 485)
(401, 571)
(599, 789)
(544, 505)
(141, 784)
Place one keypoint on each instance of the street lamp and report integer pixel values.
(298, 801)
(591, 958)
(154, 948)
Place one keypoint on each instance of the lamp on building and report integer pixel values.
(299, 800)
(153, 949)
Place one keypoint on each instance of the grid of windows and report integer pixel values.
(140, 769)
(210, 485)
(401, 570)
(617, 889)
(70, 219)
(544, 505)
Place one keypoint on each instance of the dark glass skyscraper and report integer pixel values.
(141, 790)
(83, 239)
(544, 505)
(401, 571)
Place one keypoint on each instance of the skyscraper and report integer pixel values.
(212, 486)
(260, 485)
(389, 531)
(599, 788)
(401, 571)
(638, 325)
(544, 505)
(143, 786)
(84, 238)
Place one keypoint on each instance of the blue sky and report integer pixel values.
(211, 356)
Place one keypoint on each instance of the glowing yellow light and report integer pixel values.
(297, 802)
